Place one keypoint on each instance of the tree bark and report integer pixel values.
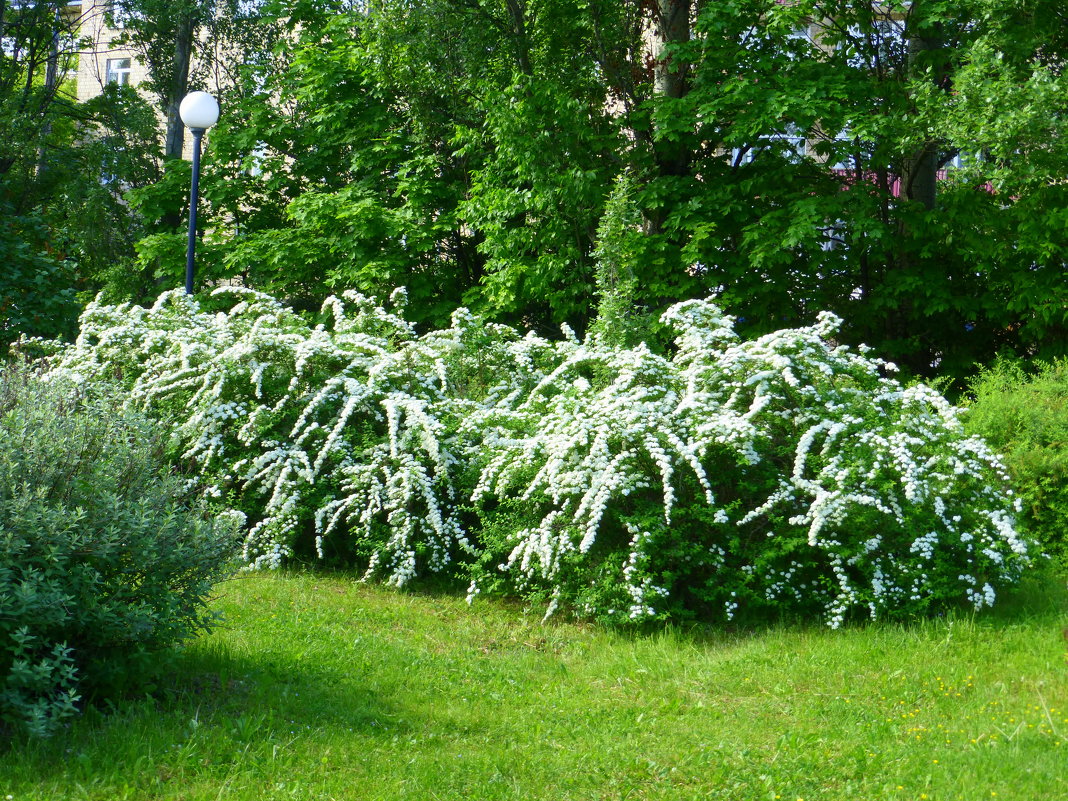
(671, 26)
(517, 11)
(178, 87)
(919, 178)
(50, 86)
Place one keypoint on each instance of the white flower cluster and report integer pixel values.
(871, 485)
(334, 422)
(784, 471)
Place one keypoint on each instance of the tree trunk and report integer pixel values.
(517, 10)
(178, 87)
(50, 85)
(919, 176)
(919, 182)
(671, 26)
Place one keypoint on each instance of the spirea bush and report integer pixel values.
(102, 563)
(785, 472)
(305, 427)
(720, 479)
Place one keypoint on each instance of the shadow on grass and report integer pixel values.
(1039, 600)
(213, 680)
(1041, 597)
(225, 703)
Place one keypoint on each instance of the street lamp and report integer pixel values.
(199, 111)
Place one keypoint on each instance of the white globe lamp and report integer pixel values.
(199, 111)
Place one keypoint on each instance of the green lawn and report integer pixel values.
(318, 688)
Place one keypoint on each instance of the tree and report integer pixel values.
(164, 34)
(183, 45)
(63, 169)
(464, 149)
(787, 157)
(38, 48)
(820, 133)
(37, 283)
(115, 152)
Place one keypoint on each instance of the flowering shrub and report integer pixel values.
(300, 425)
(726, 477)
(783, 472)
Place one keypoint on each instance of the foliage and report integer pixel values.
(102, 563)
(39, 49)
(181, 45)
(826, 138)
(37, 291)
(1022, 410)
(460, 149)
(617, 256)
(899, 164)
(63, 169)
(331, 181)
(785, 472)
(115, 154)
(817, 155)
(38, 283)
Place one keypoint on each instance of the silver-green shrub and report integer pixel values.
(103, 564)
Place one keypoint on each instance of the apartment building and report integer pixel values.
(104, 62)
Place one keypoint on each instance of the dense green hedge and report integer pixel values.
(1023, 412)
(102, 562)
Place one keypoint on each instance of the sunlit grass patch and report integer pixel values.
(319, 688)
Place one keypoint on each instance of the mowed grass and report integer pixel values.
(320, 688)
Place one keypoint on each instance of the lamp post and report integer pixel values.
(199, 111)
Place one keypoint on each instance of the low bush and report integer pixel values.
(102, 564)
(742, 477)
(1023, 412)
(303, 427)
(723, 478)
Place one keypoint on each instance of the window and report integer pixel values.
(834, 236)
(249, 8)
(791, 143)
(882, 43)
(112, 162)
(959, 160)
(846, 160)
(799, 40)
(255, 160)
(109, 175)
(118, 71)
(850, 152)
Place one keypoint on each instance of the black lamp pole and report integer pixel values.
(194, 193)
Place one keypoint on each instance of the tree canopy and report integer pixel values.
(899, 163)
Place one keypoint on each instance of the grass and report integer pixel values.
(319, 688)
